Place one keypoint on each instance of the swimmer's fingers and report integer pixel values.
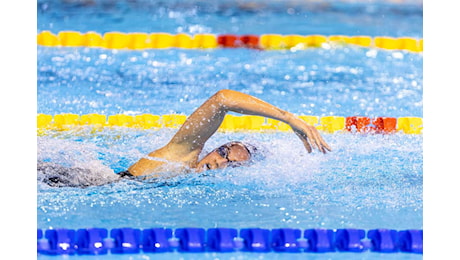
(309, 136)
(304, 140)
(319, 141)
(315, 138)
(325, 145)
(311, 133)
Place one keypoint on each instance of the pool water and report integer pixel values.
(327, 17)
(368, 181)
(342, 81)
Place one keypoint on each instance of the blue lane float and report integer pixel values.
(126, 240)
(350, 240)
(256, 239)
(91, 241)
(411, 241)
(156, 240)
(320, 240)
(222, 239)
(191, 239)
(286, 240)
(99, 241)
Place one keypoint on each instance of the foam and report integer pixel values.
(366, 180)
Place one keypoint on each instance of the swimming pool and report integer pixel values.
(369, 181)
(359, 17)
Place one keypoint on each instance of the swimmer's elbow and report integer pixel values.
(224, 96)
(225, 91)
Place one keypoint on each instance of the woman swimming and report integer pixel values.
(181, 153)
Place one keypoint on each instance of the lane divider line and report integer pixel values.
(99, 241)
(232, 123)
(141, 41)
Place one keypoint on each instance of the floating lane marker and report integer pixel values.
(332, 124)
(140, 41)
(101, 241)
(231, 123)
(410, 125)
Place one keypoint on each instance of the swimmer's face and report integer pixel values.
(226, 155)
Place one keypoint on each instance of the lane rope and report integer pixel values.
(141, 41)
(231, 123)
(99, 241)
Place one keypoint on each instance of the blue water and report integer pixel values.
(368, 181)
(338, 81)
(373, 18)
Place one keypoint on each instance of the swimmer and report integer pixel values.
(181, 153)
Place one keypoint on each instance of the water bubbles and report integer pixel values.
(354, 71)
(372, 53)
(397, 55)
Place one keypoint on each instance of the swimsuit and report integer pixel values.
(125, 174)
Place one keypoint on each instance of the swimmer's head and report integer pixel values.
(231, 154)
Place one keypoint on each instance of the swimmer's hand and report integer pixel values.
(309, 134)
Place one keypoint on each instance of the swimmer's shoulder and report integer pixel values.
(169, 158)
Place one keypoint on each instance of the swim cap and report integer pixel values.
(254, 152)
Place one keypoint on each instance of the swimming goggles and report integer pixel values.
(224, 150)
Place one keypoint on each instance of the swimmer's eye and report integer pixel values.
(207, 166)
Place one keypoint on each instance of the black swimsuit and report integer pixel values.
(125, 174)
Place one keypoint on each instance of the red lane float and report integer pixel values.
(234, 41)
(362, 124)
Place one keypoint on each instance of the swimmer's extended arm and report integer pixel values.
(205, 121)
(187, 143)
